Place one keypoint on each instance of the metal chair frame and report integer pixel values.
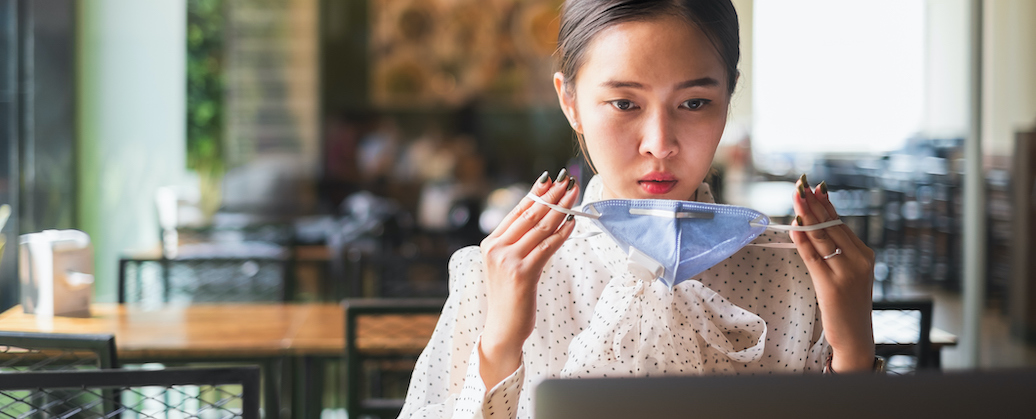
(101, 345)
(117, 381)
(922, 350)
(354, 309)
(286, 287)
(273, 369)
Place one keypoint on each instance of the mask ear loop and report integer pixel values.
(757, 222)
(535, 198)
(560, 208)
(780, 227)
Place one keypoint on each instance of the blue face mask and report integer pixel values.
(676, 240)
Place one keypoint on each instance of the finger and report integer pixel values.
(550, 245)
(824, 198)
(808, 252)
(547, 225)
(811, 211)
(806, 216)
(541, 186)
(529, 218)
(810, 202)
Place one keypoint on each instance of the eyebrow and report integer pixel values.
(700, 82)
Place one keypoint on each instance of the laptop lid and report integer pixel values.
(971, 394)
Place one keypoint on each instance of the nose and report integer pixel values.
(658, 138)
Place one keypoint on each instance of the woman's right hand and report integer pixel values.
(515, 254)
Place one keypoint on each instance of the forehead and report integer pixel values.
(662, 50)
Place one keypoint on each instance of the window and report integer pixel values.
(837, 76)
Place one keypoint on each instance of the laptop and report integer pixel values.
(1007, 393)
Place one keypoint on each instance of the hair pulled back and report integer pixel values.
(582, 20)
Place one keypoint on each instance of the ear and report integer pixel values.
(567, 102)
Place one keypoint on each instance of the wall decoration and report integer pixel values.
(451, 52)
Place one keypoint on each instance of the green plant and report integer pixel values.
(205, 24)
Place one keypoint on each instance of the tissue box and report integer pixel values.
(56, 272)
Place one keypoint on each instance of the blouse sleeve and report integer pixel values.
(446, 382)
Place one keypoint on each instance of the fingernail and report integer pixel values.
(798, 220)
(802, 191)
(562, 174)
(569, 218)
(543, 178)
(803, 180)
(823, 187)
(571, 183)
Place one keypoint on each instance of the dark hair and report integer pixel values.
(581, 20)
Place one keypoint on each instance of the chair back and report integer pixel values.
(22, 351)
(384, 338)
(396, 276)
(177, 392)
(909, 326)
(206, 275)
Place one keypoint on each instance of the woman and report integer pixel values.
(646, 85)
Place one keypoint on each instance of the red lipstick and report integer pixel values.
(657, 183)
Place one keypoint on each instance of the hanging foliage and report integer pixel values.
(205, 85)
(205, 22)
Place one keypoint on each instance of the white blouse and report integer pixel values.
(754, 313)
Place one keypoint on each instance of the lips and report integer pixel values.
(657, 183)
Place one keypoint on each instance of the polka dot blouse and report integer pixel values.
(754, 313)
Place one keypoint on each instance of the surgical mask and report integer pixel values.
(675, 240)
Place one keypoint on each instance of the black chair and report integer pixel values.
(27, 352)
(410, 266)
(383, 338)
(214, 273)
(192, 392)
(20, 351)
(398, 276)
(906, 339)
(207, 274)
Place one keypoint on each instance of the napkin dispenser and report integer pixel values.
(56, 272)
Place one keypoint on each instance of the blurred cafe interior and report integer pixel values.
(299, 154)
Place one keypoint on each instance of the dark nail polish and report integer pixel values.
(562, 174)
(803, 180)
(798, 220)
(802, 191)
(571, 183)
(569, 218)
(823, 187)
(543, 178)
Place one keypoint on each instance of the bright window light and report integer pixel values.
(840, 76)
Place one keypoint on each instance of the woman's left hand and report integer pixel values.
(842, 267)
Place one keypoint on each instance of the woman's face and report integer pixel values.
(651, 102)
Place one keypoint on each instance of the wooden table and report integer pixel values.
(202, 331)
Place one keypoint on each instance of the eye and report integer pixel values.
(623, 104)
(695, 104)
